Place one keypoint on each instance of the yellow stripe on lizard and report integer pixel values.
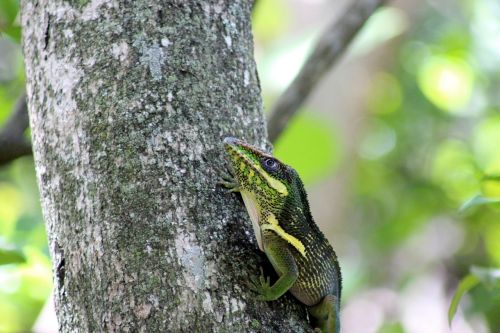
(274, 226)
(274, 183)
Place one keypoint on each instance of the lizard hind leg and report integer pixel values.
(326, 315)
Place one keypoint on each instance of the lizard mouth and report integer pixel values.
(242, 148)
(231, 142)
(239, 153)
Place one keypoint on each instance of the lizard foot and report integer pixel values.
(262, 286)
(228, 181)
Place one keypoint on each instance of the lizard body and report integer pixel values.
(276, 201)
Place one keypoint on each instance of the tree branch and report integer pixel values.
(13, 144)
(328, 49)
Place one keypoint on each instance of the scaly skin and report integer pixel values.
(285, 230)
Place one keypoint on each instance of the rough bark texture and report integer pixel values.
(129, 102)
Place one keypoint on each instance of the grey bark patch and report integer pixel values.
(151, 56)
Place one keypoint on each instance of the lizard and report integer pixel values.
(277, 203)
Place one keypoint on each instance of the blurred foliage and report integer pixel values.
(266, 23)
(9, 23)
(25, 270)
(10, 255)
(385, 24)
(478, 200)
(25, 275)
(467, 283)
(490, 278)
(429, 157)
(310, 146)
(433, 146)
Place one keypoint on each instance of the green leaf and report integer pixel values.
(488, 276)
(478, 200)
(13, 32)
(9, 10)
(392, 328)
(10, 255)
(466, 284)
(492, 177)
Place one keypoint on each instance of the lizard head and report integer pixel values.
(257, 171)
(270, 190)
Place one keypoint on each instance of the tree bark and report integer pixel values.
(128, 104)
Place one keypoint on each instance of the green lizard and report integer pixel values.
(276, 201)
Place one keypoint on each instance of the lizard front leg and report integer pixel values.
(278, 253)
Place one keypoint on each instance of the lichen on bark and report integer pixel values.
(129, 102)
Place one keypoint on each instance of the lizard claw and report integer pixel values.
(262, 286)
(228, 181)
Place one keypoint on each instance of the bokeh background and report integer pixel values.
(399, 147)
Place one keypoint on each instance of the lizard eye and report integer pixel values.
(270, 164)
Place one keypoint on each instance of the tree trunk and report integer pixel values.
(128, 103)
